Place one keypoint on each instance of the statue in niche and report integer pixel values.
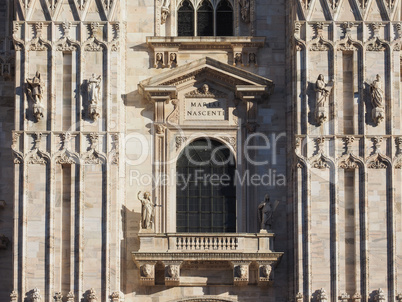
(265, 214)
(158, 60)
(148, 212)
(252, 59)
(165, 11)
(94, 89)
(266, 271)
(173, 271)
(238, 60)
(245, 10)
(94, 96)
(173, 59)
(146, 271)
(242, 271)
(377, 100)
(35, 88)
(322, 91)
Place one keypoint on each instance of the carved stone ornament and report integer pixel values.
(173, 59)
(94, 96)
(173, 117)
(265, 272)
(238, 59)
(13, 296)
(265, 214)
(377, 100)
(117, 296)
(348, 162)
(38, 43)
(147, 271)
(159, 128)
(37, 156)
(299, 297)
(252, 59)
(241, 275)
(65, 158)
(344, 297)
(58, 297)
(380, 296)
(322, 295)
(173, 271)
(148, 211)
(179, 141)
(91, 296)
(377, 161)
(205, 92)
(159, 60)
(165, 11)
(35, 90)
(70, 297)
(115, 149)
(245, 10)
(322, 91)
(399, 297)
(65, 43)
(356, 297)
(36, 297)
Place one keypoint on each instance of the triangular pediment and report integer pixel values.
(207, 68)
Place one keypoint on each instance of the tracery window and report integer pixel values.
(206, 204)
(205, 19)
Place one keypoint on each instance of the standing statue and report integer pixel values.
(245, 10)
(94, 89)
(265, 214)
(35, 88)
(148, 212)
(94, 96)
(377, 100)
(322, 92)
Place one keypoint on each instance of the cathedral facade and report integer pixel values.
(200, 150)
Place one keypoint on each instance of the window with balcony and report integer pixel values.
(205, 192)
(205, 19)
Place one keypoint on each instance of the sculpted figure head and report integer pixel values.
(242, 271)
(205, 88)
(146, 270)
(173, 271)
(266, 270)
(320, 77)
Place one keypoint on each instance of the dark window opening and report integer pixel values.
(205, 19)
(205, 192)
(186, 19)
(224, 19)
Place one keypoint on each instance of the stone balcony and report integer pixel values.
(196, 259)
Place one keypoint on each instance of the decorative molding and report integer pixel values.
(180, 140)
(38, 43)
(231, 140)
(173, 117)
(205, 92)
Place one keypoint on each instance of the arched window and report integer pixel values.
(205, 19)
(224, 19)
(209, 20)
(186, 19)
(205, 191)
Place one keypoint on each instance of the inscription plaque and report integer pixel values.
(205, 109)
